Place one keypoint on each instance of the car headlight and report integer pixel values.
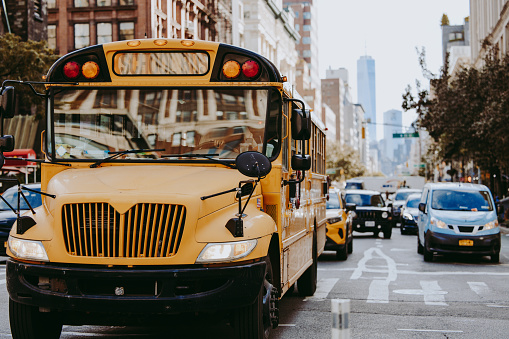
(385, 215)
(438, 223)
(219, 252)
(27, 249)
(407, 216)
(334, 220)
(491, 225)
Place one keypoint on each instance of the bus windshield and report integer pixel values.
(89, 123)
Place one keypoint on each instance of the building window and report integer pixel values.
(102, 3)
(306, 53)
(81, 3)
(306, 40)
(38, 9)
(81, 36)
(306, 28)
(52, 37)
(297, 27)
(51, 3)
(454, 36)
(296, 14)
(126, 30)
(306, 15)
(126, 2)
(104, 33)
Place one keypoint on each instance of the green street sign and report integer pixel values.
(405, 135)
(330, 171)
(420, 165)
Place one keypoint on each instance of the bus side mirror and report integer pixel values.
(6, 145)
(8, 102)
(301, 124)
(253, 164)
(301, 162)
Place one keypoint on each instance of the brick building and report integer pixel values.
(74, 24)
(24, 18)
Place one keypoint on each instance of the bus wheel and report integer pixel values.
(255, 321)
(28, 323)
(306, 284)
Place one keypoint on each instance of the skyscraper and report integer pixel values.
(366, 92)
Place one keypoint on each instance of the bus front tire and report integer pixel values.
(28, 323)
(255, 321)
(306, 284)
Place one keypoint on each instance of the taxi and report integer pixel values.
(339, 225)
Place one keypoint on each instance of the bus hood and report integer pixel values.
(154, 184)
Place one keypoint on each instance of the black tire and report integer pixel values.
(342, 254)
(255, 321)
(388, 232)
(28, 323)
(350, 246)
(306, 284)
(401, 230)
(420, 249)
(428, 255)
(495, 258)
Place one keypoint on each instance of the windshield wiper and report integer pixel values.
(117, 154)
(199, 155)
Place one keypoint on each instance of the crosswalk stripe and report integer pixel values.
(323, 288)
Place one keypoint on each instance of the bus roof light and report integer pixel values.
(250, 68)
(90, 70)
(71, 70)
(160, 42)
(134, 43)
(231, 69)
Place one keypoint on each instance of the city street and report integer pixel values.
(393, 294)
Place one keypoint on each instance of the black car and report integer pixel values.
(372, 213)
(410, 214)
(8, 217)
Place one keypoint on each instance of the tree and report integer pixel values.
(25, 61)
(345, 158)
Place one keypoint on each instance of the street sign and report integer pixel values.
(420, 165)
(405, 135)
(330, 171)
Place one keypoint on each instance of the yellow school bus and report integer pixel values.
(182, 177)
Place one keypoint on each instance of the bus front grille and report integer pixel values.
(144, 231)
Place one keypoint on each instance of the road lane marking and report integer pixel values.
(323, 288)
(3, 281)
(378, 292)
(418, 330)
(433, 294)
(500, 306)
(287, 325)
(478, 287)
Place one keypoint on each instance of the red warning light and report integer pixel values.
(250, 68)
(71, 70)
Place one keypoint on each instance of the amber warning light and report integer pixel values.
(232, 69)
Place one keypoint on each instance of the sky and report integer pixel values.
(389, 31)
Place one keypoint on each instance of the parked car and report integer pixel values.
(8, 217)
(410, 214)
(371, 212)
(339, 225)
(458, 218)
(398, 200)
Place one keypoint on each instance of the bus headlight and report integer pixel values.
(491, 225)
(27, 249)
(227, 251)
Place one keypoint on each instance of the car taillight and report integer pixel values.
(90, 70)
(71, 70)
(250, 68)
(231, 69)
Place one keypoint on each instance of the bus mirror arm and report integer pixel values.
(24, 223)
(32, 83)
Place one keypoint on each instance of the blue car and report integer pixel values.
(458, 218)
(8, 217)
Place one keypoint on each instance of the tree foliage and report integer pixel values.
(467, 115)
(25, 61)
(344, 157)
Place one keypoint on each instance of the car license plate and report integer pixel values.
(466, 242)
(370, 223)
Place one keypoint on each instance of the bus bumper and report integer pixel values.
(161, 290)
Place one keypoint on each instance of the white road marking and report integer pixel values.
(323, 288)
(433, 294)
(418, 330)
(479, 287)
(401, 250)
(3, 281)
(85, 334)
(287, 325)
(379, 287)
(500, 306)
(498, 274)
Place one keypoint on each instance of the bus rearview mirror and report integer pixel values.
(301, 124)
(253, 164)
(8, 100)
(301, 162)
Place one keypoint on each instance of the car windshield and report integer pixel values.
(353, 185)
(461, 200)
(90, 123)
(11, 195)
(333, 202)
(413, 203)
(364, 199)
(402, 195)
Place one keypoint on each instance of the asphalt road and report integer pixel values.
(393, 293)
